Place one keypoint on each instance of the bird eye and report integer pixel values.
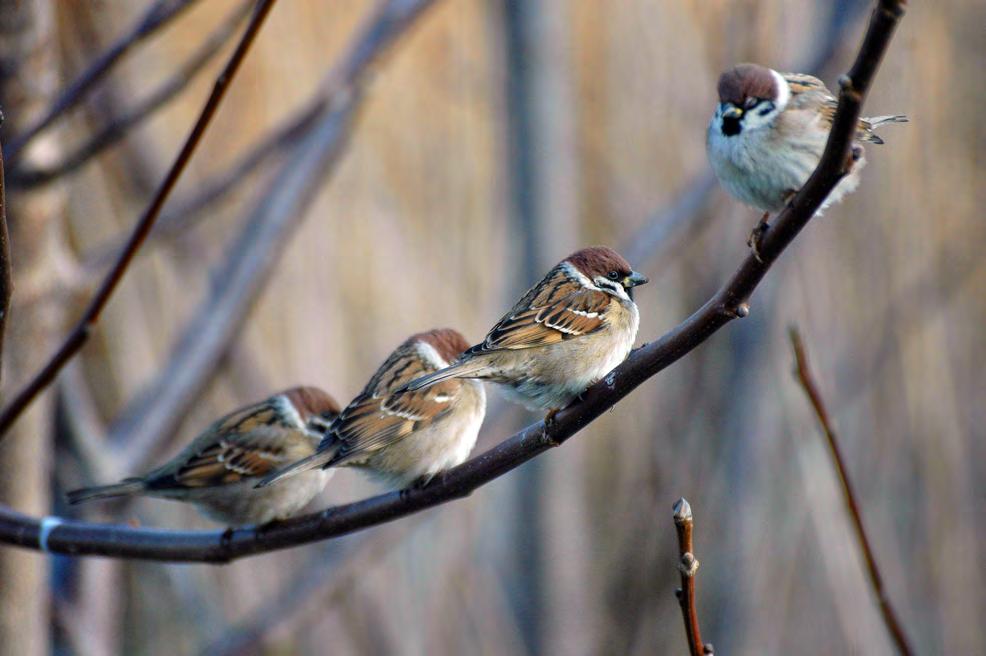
(613, 275)
(750, 103)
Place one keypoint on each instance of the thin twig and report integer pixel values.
(807, 381)
(80, 334)
(6, 277)
(729, 303)
(156, 412)
(688, 568)
(160, 14)
(119, 128)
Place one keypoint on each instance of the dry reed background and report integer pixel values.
(574, 553)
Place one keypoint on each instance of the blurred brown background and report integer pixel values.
(498, 137)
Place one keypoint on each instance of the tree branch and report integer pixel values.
(730, 302)
(80, 334)
(807, 381)
(688, 568)
(160, 14)
(116, 130)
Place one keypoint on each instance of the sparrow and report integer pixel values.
(217, 471)
(768, 134)
(402, 437)
(564, 334)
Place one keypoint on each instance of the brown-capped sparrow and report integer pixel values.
(217, 471)
(768, 134)
(403, 437)
(567, 332)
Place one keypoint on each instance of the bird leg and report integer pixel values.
(756, 237)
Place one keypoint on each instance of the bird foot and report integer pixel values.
(755, 240)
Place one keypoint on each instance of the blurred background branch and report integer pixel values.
(118, 128)
(158, 15)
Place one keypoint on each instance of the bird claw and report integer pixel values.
(755, 241)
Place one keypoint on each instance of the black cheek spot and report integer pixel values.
(766, 110)
(731, 126)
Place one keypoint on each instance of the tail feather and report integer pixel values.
(314, 461)
(890, 118)
(468, 369)
(125, 488)
(868, 125)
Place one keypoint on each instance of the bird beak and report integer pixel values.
(729, 110)
(635, 279)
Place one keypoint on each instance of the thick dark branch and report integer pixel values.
(113, 132)
(160, 14)
(688, 568)
(728, 303)
(80, 334)
(807, 381)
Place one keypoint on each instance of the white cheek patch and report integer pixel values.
(783, 90)
(613, 288)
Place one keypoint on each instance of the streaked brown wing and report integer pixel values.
(864, 131)
(378, 418)
(242, 456)
(801, 83)
(556, 309)
(807, 91)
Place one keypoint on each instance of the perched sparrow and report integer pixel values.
(566, 333)
(218, 470)
(768, 134)
(404, 437)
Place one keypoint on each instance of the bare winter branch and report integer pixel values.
(116, 130)
(688, 568)
(729, 303)
(80, 334)
(160, 14)
(803, 371)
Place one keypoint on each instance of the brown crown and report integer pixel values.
(747, 81)
(447, 342)
(599, 261)
(309, 401)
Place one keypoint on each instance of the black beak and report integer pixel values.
(632, 281)
(635, 279)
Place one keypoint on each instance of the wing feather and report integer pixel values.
(248, 443)
(379, 416)
(560, 307)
